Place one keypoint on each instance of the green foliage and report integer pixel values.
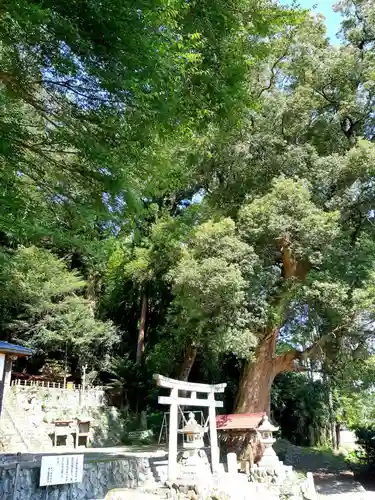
(116, 119)
(300, 407)
(42, 305)
(115, 99)
(366, 441)
(288, 216)
(209, 287)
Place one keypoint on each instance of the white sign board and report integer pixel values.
(61, 469)
(2, 364)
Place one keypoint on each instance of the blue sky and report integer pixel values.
(325, 7)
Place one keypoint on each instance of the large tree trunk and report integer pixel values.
(255, 385)
(141, 331)
(189, 359)
(257, 376)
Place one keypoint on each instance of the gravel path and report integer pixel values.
(333, 480)
(340, 487)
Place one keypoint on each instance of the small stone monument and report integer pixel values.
(232, 463)
(269, 468)
(192, 462)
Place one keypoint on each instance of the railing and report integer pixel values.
(53, 385)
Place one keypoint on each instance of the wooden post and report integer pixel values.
(215, 459)
(172, 443)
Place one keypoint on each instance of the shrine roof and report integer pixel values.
(18, 350)
(238, 421)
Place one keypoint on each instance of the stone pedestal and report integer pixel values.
(271, 466)
(193, 468)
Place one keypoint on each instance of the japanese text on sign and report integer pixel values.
(61, 469)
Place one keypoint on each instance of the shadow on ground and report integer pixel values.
(331, 484)
(311, 459)
(367, 480)
(332, 473)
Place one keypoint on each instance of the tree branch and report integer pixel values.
(273, 73)
(292, 268)
(291, 360)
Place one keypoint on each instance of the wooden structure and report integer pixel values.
(74, 430)
(238, 433)
(8, 354)
(174, 400)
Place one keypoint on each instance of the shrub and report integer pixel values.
(366, 440)
(299, 406)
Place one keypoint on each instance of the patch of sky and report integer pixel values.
(198, 197)
(105, 171)
(114, 204)
(59, 199)
(78, 85)
(325, 7)
(109, 227)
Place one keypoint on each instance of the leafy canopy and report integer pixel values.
(43, 306)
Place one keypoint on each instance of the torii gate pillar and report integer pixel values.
(174, 400)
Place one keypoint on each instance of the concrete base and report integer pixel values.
(193, 468)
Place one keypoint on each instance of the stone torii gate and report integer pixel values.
(174, 401)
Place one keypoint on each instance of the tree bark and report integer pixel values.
(332, 420)
(141, 331)
(338, 435)
(254, 390)
(189, 359)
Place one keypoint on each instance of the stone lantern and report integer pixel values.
(269, 459)
(192, 461)
(193, 434)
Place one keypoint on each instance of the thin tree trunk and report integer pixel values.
(65, 364)
(332, 419)
(338, 435)
(91, 291)
(189, 359)
(142, 329)
(257, 376)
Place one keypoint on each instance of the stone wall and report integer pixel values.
(52, 398)
(99, 476)
(33, 409)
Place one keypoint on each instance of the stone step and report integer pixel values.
(159, 469)
(37, 438)
(13, 441)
